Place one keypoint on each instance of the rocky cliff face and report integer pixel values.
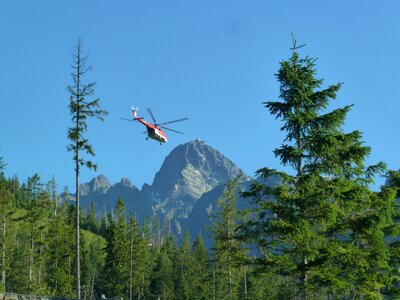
(104, 196)
(99, 184)
(193, 172)
(188, 172)
(200, 217)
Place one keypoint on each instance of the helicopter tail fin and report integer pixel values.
(134, 110)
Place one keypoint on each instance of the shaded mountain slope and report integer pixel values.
(184, 191)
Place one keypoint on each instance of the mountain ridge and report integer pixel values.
(188, 172)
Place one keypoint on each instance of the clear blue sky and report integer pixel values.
(211, 61)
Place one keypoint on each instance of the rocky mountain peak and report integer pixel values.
(98, 184)
(192, 175)
(189, 171)
(126, 182)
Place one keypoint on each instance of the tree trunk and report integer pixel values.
(214, 287)
(40, 257)
(92, 287)
(245, 282)
(303, 281)
(299, 167)
(69, 277)
(78, 269)
(230, 278)
(230, 260)
(31, 262)
(56, 284)
(3, 255)
(131, 268)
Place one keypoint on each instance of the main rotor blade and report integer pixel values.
(152, 116)
(176, 131)
(179, 120)
(128, 120)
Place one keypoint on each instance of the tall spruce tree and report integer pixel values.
(133, 236)
(2, 165)
(139, 261)
(322, 226)
(162, 283)
(36, 218)
(90, 221)
(117, 262)
(92, 264)
(18, 276)
(393, 180)
(229, 252)
(4, 204)
(61, 253)
(6, 209)
(81, 108)
(183, 268)
(393, 288)
(51, 188)
(201, 279)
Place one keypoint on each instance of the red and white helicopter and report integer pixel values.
(154, 131)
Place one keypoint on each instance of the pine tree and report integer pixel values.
(6, 210)
(92, 264)
(201, 277)
(37, 217)
(16, 191)
(162, 283)
(183, 269)
(139, 261)
(393, 180)
(322, 226)
(392, 290)
(81, 109)
(61, 253)
(133, 236)
(229, 252)
(117, 264)
(90, 221)
(51, 188)
(2, 165)
(18, 280)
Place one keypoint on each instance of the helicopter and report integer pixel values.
(154, 131)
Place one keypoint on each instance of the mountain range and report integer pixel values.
(183, 193)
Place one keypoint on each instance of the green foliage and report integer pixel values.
(82, 109)
(18, 276)
(93, 261)
(6, 242)
(183, 269)
(229, 252)
(201, 276)
(322, 226)
(162, 283)
(116, 268)
(61, 254)
(393, 180)
(392, 289)
(140, 261)
(2, 165)
(90, 221)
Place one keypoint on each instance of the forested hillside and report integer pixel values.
(118, 258)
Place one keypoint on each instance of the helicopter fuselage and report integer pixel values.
(154, 132)
(157, 134)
